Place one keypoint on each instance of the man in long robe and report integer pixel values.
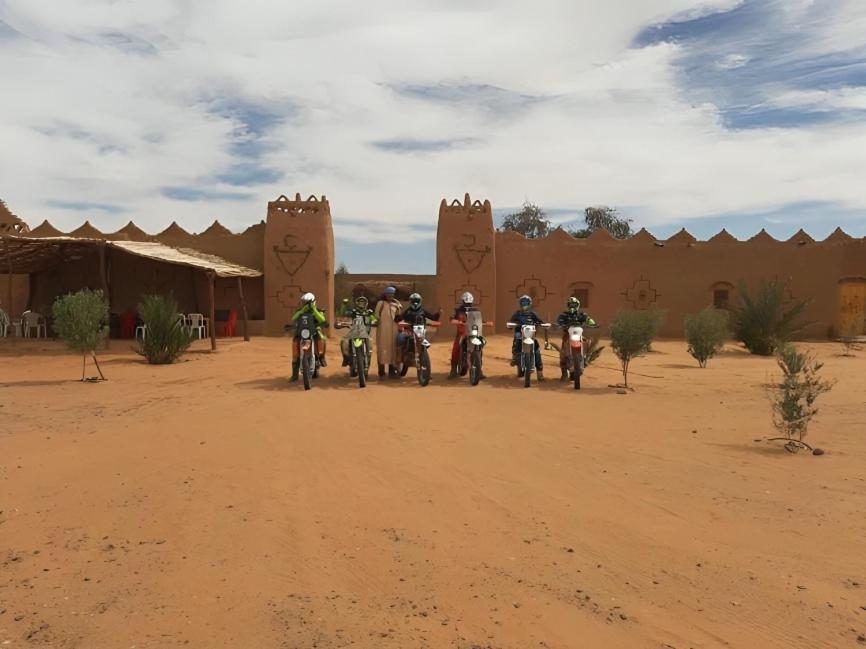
(386, 310)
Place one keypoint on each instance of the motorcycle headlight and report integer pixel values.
(305, 334)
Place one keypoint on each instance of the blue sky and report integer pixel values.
(703, 114)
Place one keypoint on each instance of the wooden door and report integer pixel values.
(852, 308)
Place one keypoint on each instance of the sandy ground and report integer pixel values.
(211, 504)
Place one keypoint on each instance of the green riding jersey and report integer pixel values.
(317, 314)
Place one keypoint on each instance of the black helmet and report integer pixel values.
(415, 300)
(525, 302)
(573, 303)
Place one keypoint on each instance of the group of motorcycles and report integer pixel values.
(416, 351)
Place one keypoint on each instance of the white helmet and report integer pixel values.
(308, 298)
(467, 298)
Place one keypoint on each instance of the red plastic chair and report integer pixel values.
(230, 327)
(127, 324)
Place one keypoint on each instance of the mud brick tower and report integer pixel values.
(298, 257)
(465, 256)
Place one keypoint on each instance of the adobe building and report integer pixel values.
(292, 252)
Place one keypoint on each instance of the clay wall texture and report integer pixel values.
(678, 275)
(298, 258)
(350, 285)
(294, 249)
(466, 255)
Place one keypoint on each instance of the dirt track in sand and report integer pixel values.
(210, 504)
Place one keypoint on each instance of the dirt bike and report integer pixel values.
(308, 346)
(576, 353)
(420, 344)
(471, 346)
(359, 348)
(526, 356)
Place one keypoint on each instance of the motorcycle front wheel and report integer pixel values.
(527, 373)
(307, 369)
(423, 367)
(475, 368)
(577, 364)
(361, 365)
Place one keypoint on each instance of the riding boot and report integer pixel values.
(296, 366)
(453, 373)
(392, 372)
(540, 374)
(564, 376)
(345, 361)
(381, 372)
(322, 360)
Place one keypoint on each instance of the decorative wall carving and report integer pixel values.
(641, 295)
(470, 254)
(290, 257)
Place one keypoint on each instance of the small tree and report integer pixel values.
(166, 338)
(81, 320)
(631, 333)
(793, 400)
(342, 269)
(762, 322)
(706, 333)
(848, 338)
(530, 221)
(602, 217)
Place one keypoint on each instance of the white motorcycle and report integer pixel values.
(420, 345)
(578, 357)
(526, 357)
(471, 346)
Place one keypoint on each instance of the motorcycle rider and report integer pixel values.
(524, 316)
(361, 308)
(415, 313)
(467, 302)
(570, 317)
(308, 305)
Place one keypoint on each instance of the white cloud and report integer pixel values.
(110, 102)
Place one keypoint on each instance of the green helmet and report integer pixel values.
(415, 301)
(573, 304)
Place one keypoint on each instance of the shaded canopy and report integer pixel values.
(27, 255)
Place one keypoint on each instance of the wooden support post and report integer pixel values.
(211, 279)
(243, 309)
(103, 275)
(31, 291)
(9, 282)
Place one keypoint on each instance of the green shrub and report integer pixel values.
(166, 337)
(631, 333)
(81, 320)
(793, 400)
(762, 323)
(706, 333)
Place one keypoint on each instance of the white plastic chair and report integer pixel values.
(141, 329)
(32, 320)
(197, 325)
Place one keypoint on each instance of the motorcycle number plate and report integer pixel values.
(358, 342)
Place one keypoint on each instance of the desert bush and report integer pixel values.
(81, 320)
(166, 337)
(631, 333)
(762, 322)
(793, 399)
(593, 350)
(706, 333)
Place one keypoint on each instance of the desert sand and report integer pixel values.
(212, 504)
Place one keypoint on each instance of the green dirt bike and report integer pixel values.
(359, 348)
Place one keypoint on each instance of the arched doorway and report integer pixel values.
(852, 306)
